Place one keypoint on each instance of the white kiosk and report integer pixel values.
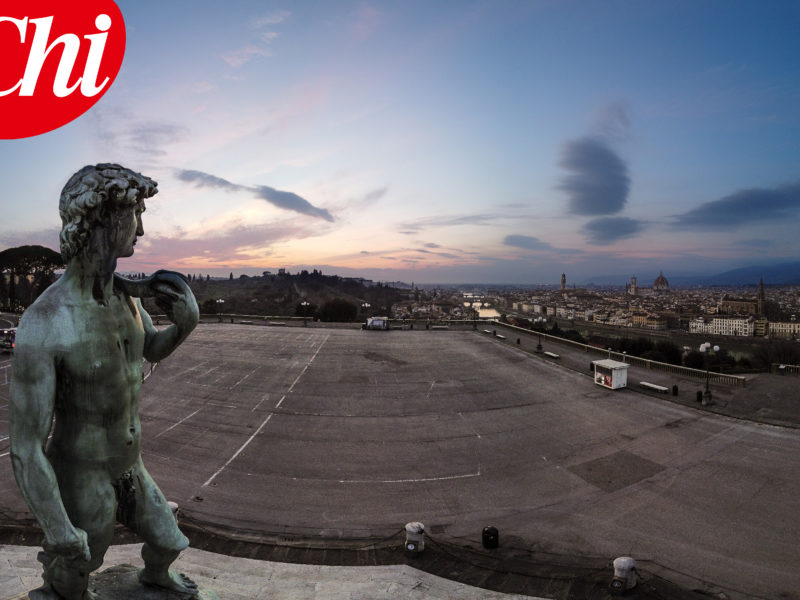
(611, 374)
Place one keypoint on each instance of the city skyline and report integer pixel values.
(502, 142)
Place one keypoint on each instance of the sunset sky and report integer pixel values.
(502, 141)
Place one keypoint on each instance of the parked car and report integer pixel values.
(7, 339)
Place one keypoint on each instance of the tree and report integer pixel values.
(30, 270)
(695, 360)
(209, 307)
(655, 355)
(231, 276)
(776, 351)
(671, 352)
(305, 311)
(338, 310)
(574, 335)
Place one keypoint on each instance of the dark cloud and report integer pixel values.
(281, 199)
(149, 137)
(598, 182)
(432, 245)
(743, 208)
(291, 201)
(607, 230)
(201, 179)
(526, 242)
(448, 221)
(126, 134)
(439, 254)
(374, 195)
(756, 243)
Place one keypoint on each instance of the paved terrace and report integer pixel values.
(316, 445)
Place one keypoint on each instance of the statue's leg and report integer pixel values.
(89, 500)
(163, 541)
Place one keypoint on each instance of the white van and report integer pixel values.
(377, 323)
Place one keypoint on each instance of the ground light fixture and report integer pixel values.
(706, 349)
(490, 537)
(415, 538)
(624, 576)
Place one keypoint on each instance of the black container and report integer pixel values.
(491, 539)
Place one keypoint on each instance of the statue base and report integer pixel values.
(121, 582)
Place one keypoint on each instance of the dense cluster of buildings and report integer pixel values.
(703, 311)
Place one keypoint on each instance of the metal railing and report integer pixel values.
(723, 378)
(783, 369)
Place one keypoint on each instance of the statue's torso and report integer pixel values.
(98, 377)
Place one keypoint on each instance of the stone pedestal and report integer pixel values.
(121, 582)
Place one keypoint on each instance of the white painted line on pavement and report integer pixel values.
(245, 377)
(308, 364)
(238, 452)
(257, 431)
(179, 422)
(418, 480)
(266, 397)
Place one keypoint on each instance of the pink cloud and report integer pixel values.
(231, 247)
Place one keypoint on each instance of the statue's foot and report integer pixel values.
(178, 583)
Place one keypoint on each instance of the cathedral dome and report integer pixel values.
(661, 282)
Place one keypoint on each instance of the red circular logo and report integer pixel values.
(58, 59)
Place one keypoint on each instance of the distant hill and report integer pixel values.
(780, 274)
(281, 294)
(783, 274)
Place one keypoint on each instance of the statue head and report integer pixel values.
(91, 195)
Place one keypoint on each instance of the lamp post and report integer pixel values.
(365, 308)
(305, 305)
(706, 349)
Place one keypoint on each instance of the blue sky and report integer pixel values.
(498, 141)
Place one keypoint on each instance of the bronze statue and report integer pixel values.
(77, 370)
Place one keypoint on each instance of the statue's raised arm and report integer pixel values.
(173, 296)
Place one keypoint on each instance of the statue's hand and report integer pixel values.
(73, 545)
(175, 298)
